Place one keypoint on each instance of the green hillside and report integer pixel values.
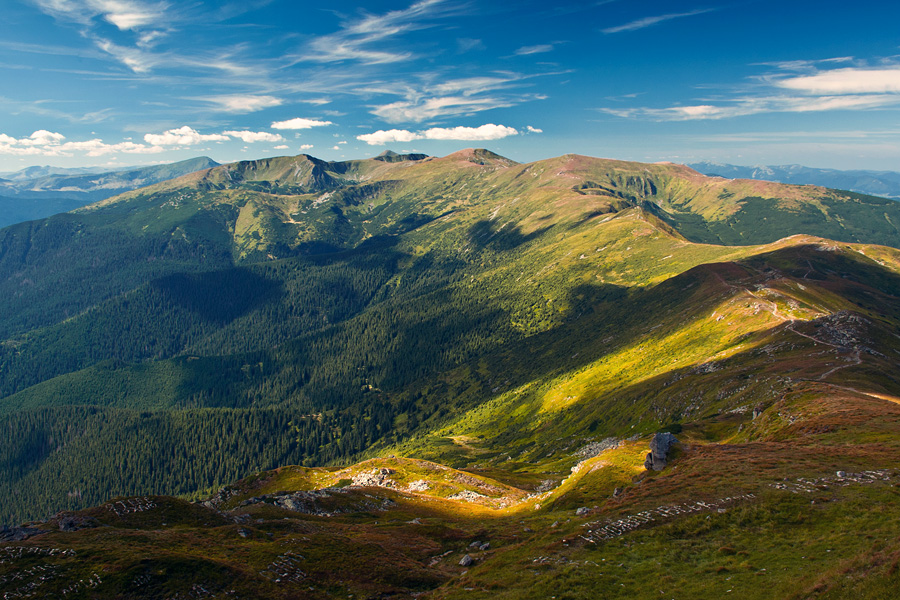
(486, 320)
(39, 192)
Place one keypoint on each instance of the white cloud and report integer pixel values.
(48, 143)
(300, 123)
(489, 131)
(255, 136)
(306, 146)
(124, 14)
(281, 147)
(380, 138)
(41, 137)
(846, 81)
(534, 129)
(183, 136)
(242, 103)
(129, 15)
(97, 147)
(649, 21)
(335, 147)
(485, 132)
(538, 49)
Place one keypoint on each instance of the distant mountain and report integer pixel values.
(38, 192)
(876, 183)
(46, 170)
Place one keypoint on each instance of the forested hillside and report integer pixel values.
(295, 311)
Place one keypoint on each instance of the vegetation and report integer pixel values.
(485, 325)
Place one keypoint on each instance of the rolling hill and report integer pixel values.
(395, 358)
(38, 192)
(878, 183)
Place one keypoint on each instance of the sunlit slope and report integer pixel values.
(720, 337)
(314, 311)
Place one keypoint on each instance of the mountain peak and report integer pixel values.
(480, 156)
(391, 157)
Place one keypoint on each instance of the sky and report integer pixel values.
(134, 82)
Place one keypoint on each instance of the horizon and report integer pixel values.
(137, 83)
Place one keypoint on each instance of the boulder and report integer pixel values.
(583, 510)
(466, 561)
(659, 449)
(70, 523)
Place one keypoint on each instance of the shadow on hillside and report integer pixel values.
(218, 296)
(484, 234)
(617, 323)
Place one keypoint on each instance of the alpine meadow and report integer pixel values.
(449, 300)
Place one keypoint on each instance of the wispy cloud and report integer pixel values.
(816, 90)
(538, 49)
(453, 98)
(489, 131)
(432, 108)
(240, 103)
(357, 39)
(752, 106)
(650, 21)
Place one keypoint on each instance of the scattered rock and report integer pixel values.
(659, 449)
(374, 478)
(418, 486)
(555, 525)
(474, 544)
(617, 492)
(583, 510)
(467, 495)
(244, 533)
(841, 474)
(595, 448)
(485, 546)
(466, 561)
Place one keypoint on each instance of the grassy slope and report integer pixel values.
(645, 330)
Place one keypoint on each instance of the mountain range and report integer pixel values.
(442, 376)
(878, 183)
(37, 192)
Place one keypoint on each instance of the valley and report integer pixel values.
(292, 378)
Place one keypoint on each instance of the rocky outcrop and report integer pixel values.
(18, 534)
(374, 478)
(70, 523)
(657, 458)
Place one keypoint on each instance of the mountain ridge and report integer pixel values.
(420, 355)
(877, 183)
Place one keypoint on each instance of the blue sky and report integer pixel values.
(123, 82)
